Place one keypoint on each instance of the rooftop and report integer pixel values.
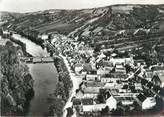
(115, 75)
(123, 98)
(93, 72)
(87, 67)
(107, 64)
(156, 68)
(92, 90)
(78, 65)
(94, 84)
(87, 101)
(141, 97)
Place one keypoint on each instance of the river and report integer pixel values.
(44, 75)
(32, 48)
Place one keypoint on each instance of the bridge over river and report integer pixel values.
(37, 59)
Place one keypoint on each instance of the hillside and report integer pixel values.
(122, 25)
(113, 18)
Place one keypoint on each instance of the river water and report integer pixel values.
(32, 48)
(44, 75)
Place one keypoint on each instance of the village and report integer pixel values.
(82, 59)
(106, 81)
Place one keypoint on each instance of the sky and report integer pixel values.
(37, 5)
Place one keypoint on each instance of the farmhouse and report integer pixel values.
(92, 76)
(146, 102)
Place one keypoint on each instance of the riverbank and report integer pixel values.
(31, 47)
(22, 45)
(16, 83)
(58, 99)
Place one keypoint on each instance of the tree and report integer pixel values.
(105, 111)
(69, 112)
(60, 91)
(15, 81)
(100, 98)
(8, 59)
(56, 107)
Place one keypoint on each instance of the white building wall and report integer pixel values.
(148, 103)
(78, 69)
(93, 108)
(111, 103)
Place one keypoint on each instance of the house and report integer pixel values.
(141, 72)
(103, 70)
(139, 62)
(89, 105)
(92, 76)
(149, 74)
(146, 102)
(119, 91)
(161, 76)
(120, 68)
(106, 78)
(158, 79)
(93, 108)
(88, 89)
(79, 93)
(111, 102)
(78, 67)
(94, 84)
(125, 100)
(117, 60)
(159, 71)
(110, 85)
(113, 77)
(129, 61)
(108, 65)
(138, 86)
(91, 92)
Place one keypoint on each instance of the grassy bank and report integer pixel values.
(60, 96)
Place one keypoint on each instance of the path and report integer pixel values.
(76, 80)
